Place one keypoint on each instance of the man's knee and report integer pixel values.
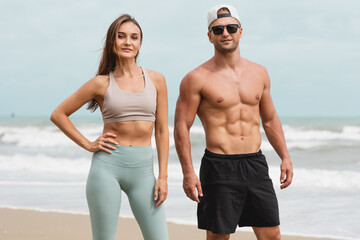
(275, 236)
(271, 233)
(269, 236)
(214, 236)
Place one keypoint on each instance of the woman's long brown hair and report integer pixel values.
(109, 58)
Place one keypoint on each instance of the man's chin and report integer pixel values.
(229, 49)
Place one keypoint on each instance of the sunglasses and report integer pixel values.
(219, 29)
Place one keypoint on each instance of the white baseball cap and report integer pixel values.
(212, 14)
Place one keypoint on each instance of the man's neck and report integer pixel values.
(227, 60)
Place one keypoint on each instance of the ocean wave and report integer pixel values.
(43, 163)
(32, 136)
(350, 133)
(44, 137)
(319, 178)
(303, 145)
(41, 183)
(304, 177)
(296, 137)
(195, 129)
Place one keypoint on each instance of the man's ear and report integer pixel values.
(209, 36)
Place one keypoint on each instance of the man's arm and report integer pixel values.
(186, 108)
(274, 132)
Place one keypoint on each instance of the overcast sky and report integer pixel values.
(311, 49)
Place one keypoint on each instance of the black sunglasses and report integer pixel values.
(219, 29)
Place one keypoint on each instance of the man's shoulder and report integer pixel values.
(257, 71)
(198, 74)
(253, 66)
(195, 79)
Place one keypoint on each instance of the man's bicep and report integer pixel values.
(267, 109)
(266, 106)
(188, 102)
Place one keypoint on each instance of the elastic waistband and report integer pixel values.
(127, 156)
(124, 147)
(232, 156)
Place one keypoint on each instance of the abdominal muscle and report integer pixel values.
(131, 133)
(230, 133)
(219, 140)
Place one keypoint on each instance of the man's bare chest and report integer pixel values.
(225, 93)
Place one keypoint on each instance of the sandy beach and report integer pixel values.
(36, 225)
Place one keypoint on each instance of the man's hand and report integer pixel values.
(191, 183)
(286, 173)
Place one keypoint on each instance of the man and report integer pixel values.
(230, 94)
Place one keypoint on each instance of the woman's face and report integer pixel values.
(128, 40)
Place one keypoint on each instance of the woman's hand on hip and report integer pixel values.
(160, 189)
(102, 143)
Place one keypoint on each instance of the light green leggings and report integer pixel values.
(129, 169)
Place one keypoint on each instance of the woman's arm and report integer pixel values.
(94, 88)
(161, 136)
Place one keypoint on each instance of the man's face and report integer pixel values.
(225, 42)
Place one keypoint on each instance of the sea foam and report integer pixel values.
(304, 177)
(296, 137)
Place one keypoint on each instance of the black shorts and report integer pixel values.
(237, 190)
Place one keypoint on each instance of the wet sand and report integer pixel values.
(35, 225)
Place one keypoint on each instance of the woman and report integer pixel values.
(133, 101)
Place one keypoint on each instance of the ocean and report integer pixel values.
(41, 169)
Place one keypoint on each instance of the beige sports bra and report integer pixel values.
(122, 106)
